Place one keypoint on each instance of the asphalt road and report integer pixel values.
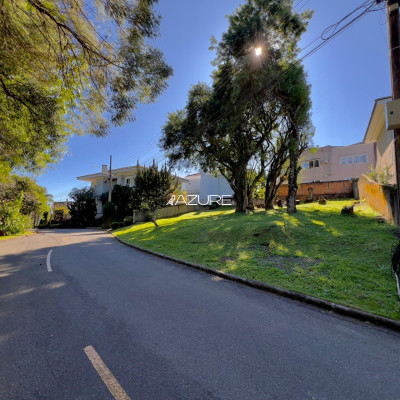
(169, 332)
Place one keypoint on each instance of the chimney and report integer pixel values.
(104, 168)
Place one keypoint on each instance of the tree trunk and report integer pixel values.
(240, 189)
(293, 172)
(271, 189)
(154, 217)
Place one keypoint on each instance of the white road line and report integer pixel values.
(105, 374)
(48, 261)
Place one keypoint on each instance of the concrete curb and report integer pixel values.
(324, 304)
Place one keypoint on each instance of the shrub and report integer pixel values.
(128, 220)
(11, 219)
(116, 225)
(60, 214)
(109, 212)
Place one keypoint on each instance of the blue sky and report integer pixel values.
(346, 76)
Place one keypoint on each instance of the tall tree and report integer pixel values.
(82, 207)
(294, 92)
(227, 126)
(72, 66)
(152, 190)
(22, 203)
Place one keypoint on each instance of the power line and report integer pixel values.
(334, 29)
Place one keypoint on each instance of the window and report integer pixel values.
(353, 159)
(128, 181)
(311, 164)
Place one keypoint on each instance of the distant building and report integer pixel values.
(58, 204)
(99, 181)
(337, 163)
(377, 134)
(205, 184)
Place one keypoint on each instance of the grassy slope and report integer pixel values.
(317, 251)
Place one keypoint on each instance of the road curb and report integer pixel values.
(323, 304)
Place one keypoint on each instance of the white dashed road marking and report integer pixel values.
(48, 261)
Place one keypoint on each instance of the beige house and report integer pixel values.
(384, 140)
(337, 163)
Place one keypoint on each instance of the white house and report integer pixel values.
(205, 184)
(99, 181)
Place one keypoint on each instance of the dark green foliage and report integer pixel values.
(122, 197)
(152, 190)
(116, 225)
(109, 213)
(128, 220)
(83, 207)
(109, 210)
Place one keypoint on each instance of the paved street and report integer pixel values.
(165, 331)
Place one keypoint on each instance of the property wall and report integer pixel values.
(330, 168)
(382, 198)
(385, 153)
(170, 211)
(315, 190)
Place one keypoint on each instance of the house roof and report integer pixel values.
(377, 120)
(116, 171)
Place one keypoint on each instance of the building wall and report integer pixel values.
(331, 168)
(205, 185)
(385, 153)
(193, 186)
(213, 185)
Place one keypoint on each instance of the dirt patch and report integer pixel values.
(266, 231)
(288, 264)
(224, 259)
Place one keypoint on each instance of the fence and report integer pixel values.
(170, 211)
(315, 190)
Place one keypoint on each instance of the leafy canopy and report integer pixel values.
(73, 66)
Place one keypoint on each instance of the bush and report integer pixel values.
(12, 221)
(109, 210)
(116, 225)
(128, 220)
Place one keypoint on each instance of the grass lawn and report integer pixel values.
(317, 251)
(17, 235)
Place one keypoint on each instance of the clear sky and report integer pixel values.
(346, 75)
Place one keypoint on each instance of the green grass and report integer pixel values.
(317, 251)
(17, 235)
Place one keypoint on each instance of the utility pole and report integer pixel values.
(110, 182)
(394, 51)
